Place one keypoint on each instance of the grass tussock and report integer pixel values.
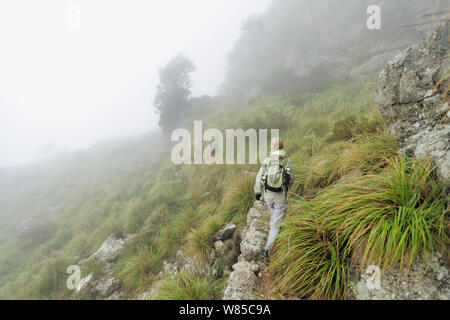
(200, 240)
(386, 218)
(187, 286)
(369, 155)
(239, 199)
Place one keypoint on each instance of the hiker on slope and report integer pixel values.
(275, 176)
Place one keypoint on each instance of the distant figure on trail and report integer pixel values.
(213, 149)
(210, 152)
(275, 176)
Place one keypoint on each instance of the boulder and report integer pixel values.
(107, 287)
(242, 282)
(169, 268)
(428, 279)
(252, 246)
(256, 234)
(413, 94)
(225, 233)
(110, 250)
(85, 283)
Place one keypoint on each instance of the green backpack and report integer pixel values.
(274, 174)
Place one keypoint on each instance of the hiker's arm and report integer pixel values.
(257, 188)
(292, 173)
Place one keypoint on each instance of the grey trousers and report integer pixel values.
(277, 211)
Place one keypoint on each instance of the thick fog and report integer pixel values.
(75, 72)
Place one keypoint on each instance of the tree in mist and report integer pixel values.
(173, 91)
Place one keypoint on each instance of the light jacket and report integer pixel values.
(279, 197)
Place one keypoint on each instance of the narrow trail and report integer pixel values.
(246, 279)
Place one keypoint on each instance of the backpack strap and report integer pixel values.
(277, 190)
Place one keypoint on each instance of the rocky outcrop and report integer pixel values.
(244, 281)
(84, 285)
(226, 233)
(426, 280)
(110, 250)
(413, 93)
(106, 288)
(218, 261)
(102, 285)
(98, 286)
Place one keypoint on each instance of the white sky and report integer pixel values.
(71, 87)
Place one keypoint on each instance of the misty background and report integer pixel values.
(80, 95)
(66, 83)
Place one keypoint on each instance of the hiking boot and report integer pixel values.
(265, 254)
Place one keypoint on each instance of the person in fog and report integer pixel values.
(272, 184)
(213, 150)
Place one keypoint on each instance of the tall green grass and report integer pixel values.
(385, 219)
(239, 199)
(187, 286)
(370, 154)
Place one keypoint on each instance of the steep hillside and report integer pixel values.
(141, 227)
(302, 45)
(67, 205)
(174, 212)
(168, 207)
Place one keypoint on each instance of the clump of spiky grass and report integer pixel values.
(307, 262)
(390, 217)
(394, 214)
(369, 155)
(352, 127)
(233, 208)
(188, 286)
(200, 240)
(239, 200)
(136, 266)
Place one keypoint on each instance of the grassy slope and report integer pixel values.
(327, 136)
